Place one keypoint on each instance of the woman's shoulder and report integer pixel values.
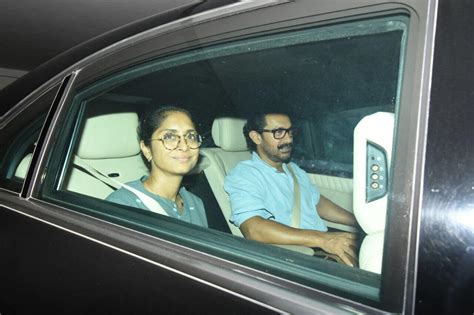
(122, 192)
(186, 194)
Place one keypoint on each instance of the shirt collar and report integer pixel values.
(266, 166)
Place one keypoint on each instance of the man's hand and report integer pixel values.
(341, 244)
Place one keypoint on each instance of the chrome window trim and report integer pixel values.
(37, 174)
(425, 93)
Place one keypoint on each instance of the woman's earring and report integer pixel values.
(149, 159)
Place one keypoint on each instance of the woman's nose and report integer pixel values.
(183, 145)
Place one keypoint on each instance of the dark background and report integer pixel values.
(33, 31)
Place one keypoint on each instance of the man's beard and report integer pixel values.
(277, 156)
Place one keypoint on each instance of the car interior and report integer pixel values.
(107, 152)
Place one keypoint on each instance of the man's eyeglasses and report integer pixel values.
(280, 133)
(171, 140)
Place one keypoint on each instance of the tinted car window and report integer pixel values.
(19, 140)
(329, 78)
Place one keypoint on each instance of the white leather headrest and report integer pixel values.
(373, 130)
(371, 252)
(227, 134)
(109, 136)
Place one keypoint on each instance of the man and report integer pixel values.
(261, 194)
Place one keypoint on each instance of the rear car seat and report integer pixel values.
(227, 134)
(107, 142)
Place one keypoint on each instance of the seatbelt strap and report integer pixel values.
(149, 202)
(295, 212)
(295, 217)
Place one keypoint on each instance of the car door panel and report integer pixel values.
(59, 269)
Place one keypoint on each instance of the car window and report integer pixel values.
(19, 138)
(341, 85)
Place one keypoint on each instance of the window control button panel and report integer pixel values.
(377, 172)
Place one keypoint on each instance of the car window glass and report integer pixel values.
(19, 140)
(332, 80)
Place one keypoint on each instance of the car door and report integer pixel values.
(331, 64)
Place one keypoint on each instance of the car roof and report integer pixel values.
(15, 92)
(34, 31)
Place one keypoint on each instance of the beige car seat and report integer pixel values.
(227, 134)
(108, 143)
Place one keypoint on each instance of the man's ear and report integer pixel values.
(146, 151)
(255, 136)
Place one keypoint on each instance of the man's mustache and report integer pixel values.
(285, 145)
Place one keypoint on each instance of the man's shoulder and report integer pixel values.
(296, 168)
(303, 177)
(245, 166)
(244, 171)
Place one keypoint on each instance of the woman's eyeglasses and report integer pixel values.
(171, 140)
(280, 133)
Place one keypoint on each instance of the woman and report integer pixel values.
(170, 144)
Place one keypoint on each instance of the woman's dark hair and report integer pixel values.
(256, 122)
(153, 119)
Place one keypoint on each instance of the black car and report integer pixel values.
(381, 93)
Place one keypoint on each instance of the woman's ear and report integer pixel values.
(255, 136)
(146, 151)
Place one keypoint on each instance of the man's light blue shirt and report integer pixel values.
(257, 189)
